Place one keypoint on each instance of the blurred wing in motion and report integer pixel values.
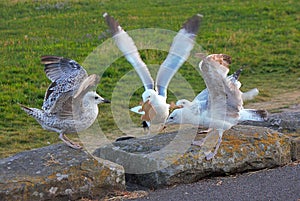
(179, 52)
(129, 50)
(225, 98)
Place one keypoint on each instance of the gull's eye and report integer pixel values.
(96, 97)
(171, 117)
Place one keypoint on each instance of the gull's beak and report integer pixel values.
(105, 101)
(167, 122)
(173, 106)
(177, 107)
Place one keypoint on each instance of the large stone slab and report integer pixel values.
(295, 149)
(167, 159)
(57, 172)
(283, 122)
(287, 122)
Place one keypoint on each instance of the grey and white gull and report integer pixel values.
(223, 106)
(201, 101)
(69, 105)
(155, 108)
(203, 95)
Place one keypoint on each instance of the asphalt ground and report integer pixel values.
(282, 184)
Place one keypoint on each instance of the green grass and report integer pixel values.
(262, 36)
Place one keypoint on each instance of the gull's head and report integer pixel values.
(175, 117)
(222, 59)
(183, 103)
(149, 94)
(93, 98)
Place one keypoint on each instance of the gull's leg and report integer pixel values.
(149, 131)
(201, 130)
(198, 142)
(147, 128)
(210, 155)
(201, 142)
(68, 142)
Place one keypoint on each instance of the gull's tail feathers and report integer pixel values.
(249, 95)
(34, 112)
(137, 109)
(253, 115)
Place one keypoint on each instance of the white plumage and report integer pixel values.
(220, 106)
(200, 102)
(154, 97)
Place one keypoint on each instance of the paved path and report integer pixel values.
(282, 184)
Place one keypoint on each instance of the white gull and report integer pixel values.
(155, 107)
(203, 95)
(224, 107)
(201, 101)
(69, 105)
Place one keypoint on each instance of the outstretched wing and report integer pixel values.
(225, 98)
(86, 85)
(66, 76)
(203, 95)
(129, 50)
(59, 67)
(71, 106)
(179, 52)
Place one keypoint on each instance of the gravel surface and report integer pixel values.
(281, 183)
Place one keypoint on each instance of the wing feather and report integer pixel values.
(225, 98)
(58, 67)
(179, 52)
(202, 96)
(126, 45)
(66, 76)
(70, 105)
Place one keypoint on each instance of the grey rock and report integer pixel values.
(167, 159)
(287, 122)
(283, 122)
(57, 172)
(295, 149)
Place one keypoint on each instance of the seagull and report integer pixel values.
(220, 106)
(69, 106)
(203, 96)
(155, 109)
(201, 101)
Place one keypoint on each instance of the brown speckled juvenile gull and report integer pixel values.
(69, 105)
